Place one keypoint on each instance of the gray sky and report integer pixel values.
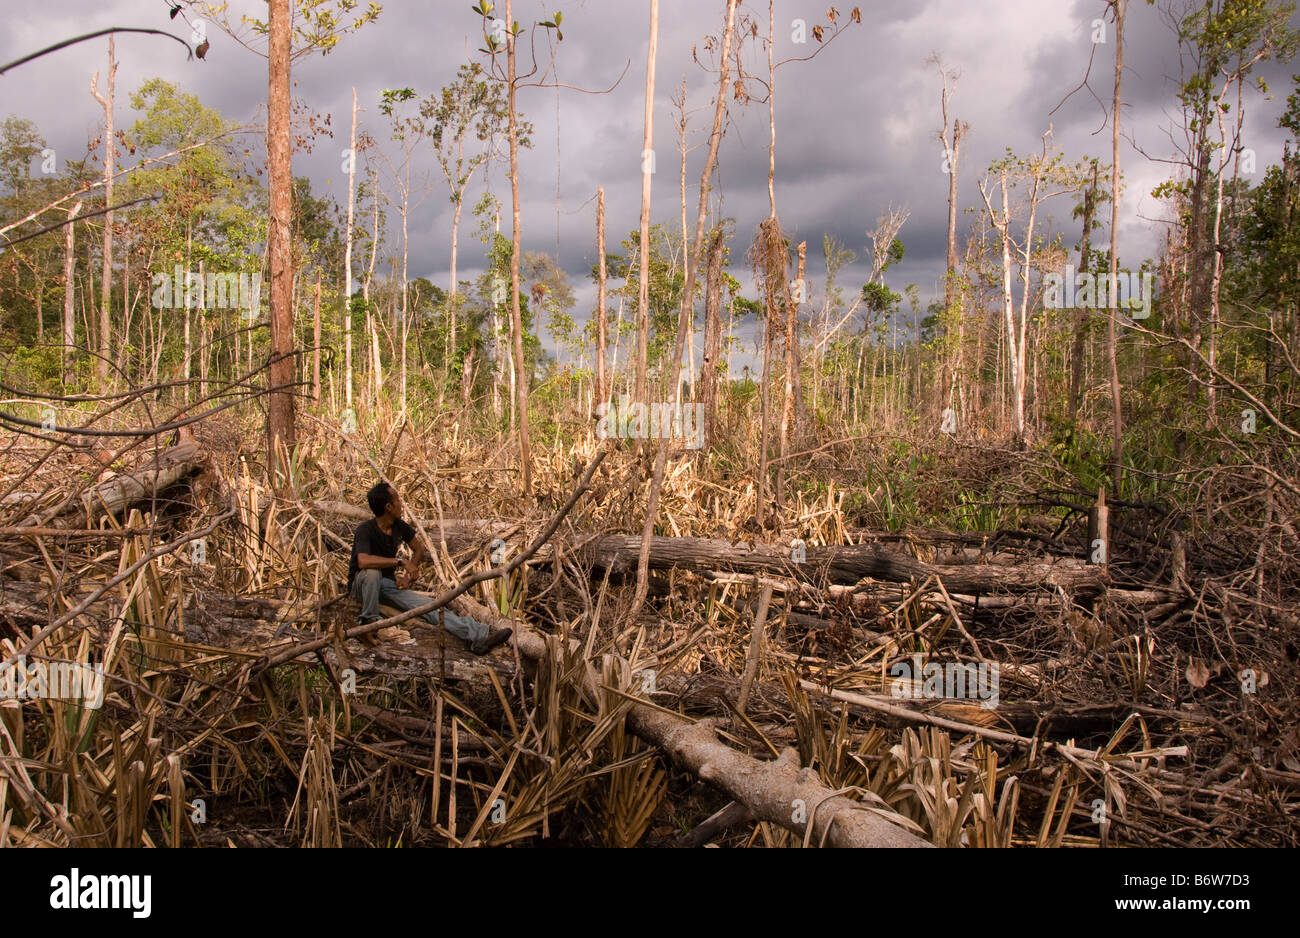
(856, 127)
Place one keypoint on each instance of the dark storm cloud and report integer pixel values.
(856, 127)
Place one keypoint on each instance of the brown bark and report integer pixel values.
(602, 319)
(1081, 325)
(1112, 351)
(712, 334)
(840, 564)
(280, 407)
(516, 322)
(315, 355)
(69, 307)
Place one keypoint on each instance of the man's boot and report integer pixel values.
(493, 638)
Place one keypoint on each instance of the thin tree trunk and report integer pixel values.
(1081, 324)
(106, 277)
(516, 321)
(712, 333)
(451, 296)
(647, 172)
(280, 408)
(690, 326)
(1117, 410)
(687, 308)
(372, 328)
(315, 357)
(347, 257)
(69, 294)
(601, 394)
(406, 243)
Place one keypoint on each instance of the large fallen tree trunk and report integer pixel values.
(843, 564)
(839, 564)
(777, 791)
(261, 625)
(115, 495)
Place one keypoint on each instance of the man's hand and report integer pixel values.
(406, 571)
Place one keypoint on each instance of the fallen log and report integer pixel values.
(843, 564)
(115, 495)
(260, 625)
(777, 791)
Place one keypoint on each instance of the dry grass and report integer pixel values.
(542, 753)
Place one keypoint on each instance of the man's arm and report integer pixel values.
(367, 560)
(419, 551)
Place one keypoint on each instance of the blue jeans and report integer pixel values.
(371, 587)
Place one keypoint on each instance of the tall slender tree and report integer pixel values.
(106, 277)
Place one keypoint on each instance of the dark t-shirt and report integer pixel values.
(370, 540)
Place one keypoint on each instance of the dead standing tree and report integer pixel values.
(311, 25)
(687, 308)
(951, 161)
(501, 36)
(770, 251)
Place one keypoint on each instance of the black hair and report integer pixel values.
(379, 497)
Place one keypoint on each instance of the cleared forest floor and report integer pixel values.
(775, 690)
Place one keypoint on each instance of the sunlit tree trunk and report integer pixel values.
(1112, 352)
(601, 391)
(106, 277)
(347, 257)
(280, 409)
(69, 294)
(647, 172)
(516, 320)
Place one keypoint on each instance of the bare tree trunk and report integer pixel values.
(712, 333)
(602, 391)
(372, 328)
(690, 326)
(1081, 325)
(467, 377)
(69, 293)
(516, 321)
(188, 360)
(106, 277)
(647, 172)
(40, 311)
(451, 295)
(280, 408)
(790, 413)
(769, 323)
(687, 308)
(315, 357)
(1216, 278)
(347, 256)
(1117, 409)
(1013, 353)
(958, 130)
(406, 243)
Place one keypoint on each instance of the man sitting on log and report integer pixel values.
(374, 554)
